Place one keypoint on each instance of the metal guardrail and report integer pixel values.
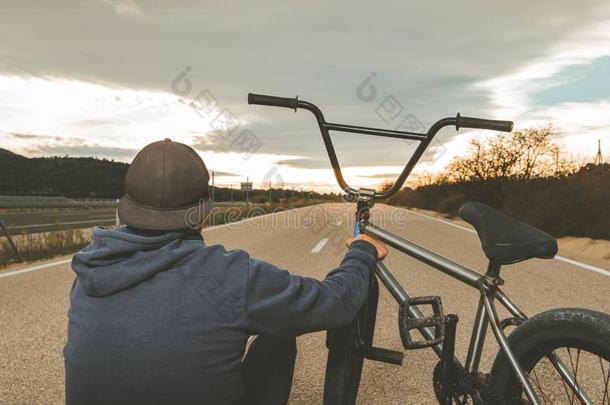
(64, 202)
(60, 226)
(53, 202)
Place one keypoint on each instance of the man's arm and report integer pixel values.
(282, 304)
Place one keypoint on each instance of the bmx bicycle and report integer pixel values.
(542, 361)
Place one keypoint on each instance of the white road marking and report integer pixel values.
(444, 222)
(583, 265)
(34, 268)
(234, 223)
(576, 263)
(319, 246)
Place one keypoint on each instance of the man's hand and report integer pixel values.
(382, 251)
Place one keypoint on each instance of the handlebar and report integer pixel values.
(273, 101)
(424, 138)
(480, 123)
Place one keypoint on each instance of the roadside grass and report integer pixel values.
(44, 245)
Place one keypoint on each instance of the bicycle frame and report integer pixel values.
(487, 284)
(486, 316)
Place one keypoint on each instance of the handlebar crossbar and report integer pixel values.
(424, 138)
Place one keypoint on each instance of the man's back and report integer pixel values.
(146, 323)
(163, 318)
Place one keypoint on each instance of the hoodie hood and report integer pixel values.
(118, 259)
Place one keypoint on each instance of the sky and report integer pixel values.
(106, 77)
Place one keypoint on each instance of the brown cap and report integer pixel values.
(166, 188)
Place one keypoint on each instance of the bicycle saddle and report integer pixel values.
(504, 239)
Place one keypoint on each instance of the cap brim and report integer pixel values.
(141, 217)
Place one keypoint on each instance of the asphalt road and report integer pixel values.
(306, 241)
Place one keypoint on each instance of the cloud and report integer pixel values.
(511, 93)
(223, 174)
(581, 124)
(96, 113)
(123, 8)
(214, 141)
(81, 150)
(39, 145)
(303, 163)
(480, 58)
(380, 176)
(99, 122)
(36, 137)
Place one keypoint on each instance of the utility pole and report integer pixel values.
(270, 200)
(212, 185)
(599, 159)
(10, 241)
(231, 186)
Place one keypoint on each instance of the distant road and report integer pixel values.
(44, 221)
(308, 241)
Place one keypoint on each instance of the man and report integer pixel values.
(158, 317)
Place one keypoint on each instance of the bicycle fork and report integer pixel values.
(555, 361)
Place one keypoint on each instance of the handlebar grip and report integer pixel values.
(273, 101)
(480, 123)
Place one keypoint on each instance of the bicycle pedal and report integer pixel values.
(407, 322)
(385, 355)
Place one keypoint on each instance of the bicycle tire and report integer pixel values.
(576, 328)
(346, 355)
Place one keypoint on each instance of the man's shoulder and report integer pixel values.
(220, 254)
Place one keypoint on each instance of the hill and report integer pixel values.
(66, 176)
(88, 177)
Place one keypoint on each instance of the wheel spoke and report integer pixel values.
(574, 371)
(606, 377)
(571, 365)
(537, 382)
(565, 387)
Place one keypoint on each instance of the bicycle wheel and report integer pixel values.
(580, 338)
(346, 349)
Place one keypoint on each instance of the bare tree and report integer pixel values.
(425, 178)
(524, 154)
(385, 186)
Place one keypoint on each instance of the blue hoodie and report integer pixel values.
(162, 318)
